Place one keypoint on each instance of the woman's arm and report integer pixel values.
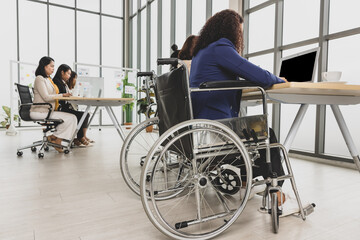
(40, 86)
(228, 58)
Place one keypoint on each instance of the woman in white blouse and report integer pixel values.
(44, 92)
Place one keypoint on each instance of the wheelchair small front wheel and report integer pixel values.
(274, 212)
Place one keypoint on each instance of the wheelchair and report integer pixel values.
(197, 177)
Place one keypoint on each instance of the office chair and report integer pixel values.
(50, 124)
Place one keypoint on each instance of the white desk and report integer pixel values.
(323, 93)
(107, 103)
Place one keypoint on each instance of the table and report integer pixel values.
(107, 103)
(321, 93)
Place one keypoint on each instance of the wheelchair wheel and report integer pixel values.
(183, 196)
(274, 212)
(227, 182)
(134, 150)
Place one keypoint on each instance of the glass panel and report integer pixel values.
(254, 3)
(29, 24)
(88, 41)
(343, 56)
(180, 34)
(8, 50)
(70, 3)
(296, 30)
(142, 3)
(91, 5)
(261, 29)
(62, 35)
(199, 16)
(143, 40)
(266, 62)
(112, 41)
(153, 36)
(305, 137)
(344, 15)
(134, 6)
(165, 32)
(134, 42)
(219, 5)
(113, 7)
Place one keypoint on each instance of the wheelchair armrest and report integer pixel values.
(227, 84)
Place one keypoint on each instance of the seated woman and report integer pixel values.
(217, 56)
(186, 52)
(44, 92)
(71, 84)
(61, 78)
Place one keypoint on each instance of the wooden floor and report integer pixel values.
(81, 196)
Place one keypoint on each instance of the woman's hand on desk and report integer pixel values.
(282, 78)
(67, 95)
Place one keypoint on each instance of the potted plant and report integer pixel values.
(145, 105)
(127, 108)
(7, 116)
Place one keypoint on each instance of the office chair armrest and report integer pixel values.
(227, 84)
(39, 104)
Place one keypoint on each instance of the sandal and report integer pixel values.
(77, 142)
(89, 140)
(57, 141)
(84, 141)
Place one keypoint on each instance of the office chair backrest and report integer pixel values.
(25, 98)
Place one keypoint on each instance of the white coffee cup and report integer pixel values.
(331, 76)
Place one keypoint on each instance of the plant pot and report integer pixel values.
(128, 125)
(149, 128)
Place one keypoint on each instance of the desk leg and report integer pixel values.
(346, 134)
(295, 126)
(115, 122)
(92, 116)
(82, 119)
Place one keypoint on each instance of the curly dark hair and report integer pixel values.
(186, 52)
(224, 24)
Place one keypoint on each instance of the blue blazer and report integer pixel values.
(220, 61)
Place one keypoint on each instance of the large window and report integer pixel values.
(299, 28)
(85, 32)
(180, 24)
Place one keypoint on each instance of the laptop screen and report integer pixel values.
(299, 67)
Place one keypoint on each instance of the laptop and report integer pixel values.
(299, 67)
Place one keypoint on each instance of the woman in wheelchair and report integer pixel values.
(44, 92)
(217, 56)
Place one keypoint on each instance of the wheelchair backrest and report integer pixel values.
(172, 98)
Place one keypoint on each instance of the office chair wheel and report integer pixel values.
(134, 150)
(274, 212)
(183, 202)
(46, 148)
(40, 155)
(66, 151)
(19, 153)
(33, 149)
(227, 182)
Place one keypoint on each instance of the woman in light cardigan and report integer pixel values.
(44, 92)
